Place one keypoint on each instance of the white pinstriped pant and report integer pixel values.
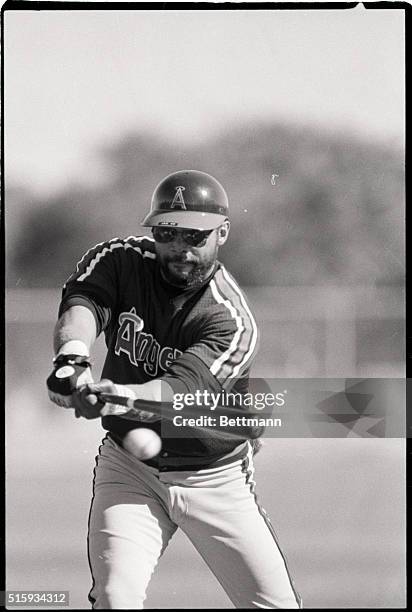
(136, 509)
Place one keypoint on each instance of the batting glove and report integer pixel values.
(71, 371)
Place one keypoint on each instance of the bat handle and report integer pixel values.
(119, 400)
(119, 405)
(115, 405)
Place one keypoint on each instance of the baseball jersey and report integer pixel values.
(196, 338)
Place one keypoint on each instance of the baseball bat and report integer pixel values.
(222, 419)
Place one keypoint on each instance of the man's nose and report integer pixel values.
(180, 242)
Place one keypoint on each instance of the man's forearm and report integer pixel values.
(156, 390)
(76, 324)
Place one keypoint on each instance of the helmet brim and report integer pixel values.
(184, 218)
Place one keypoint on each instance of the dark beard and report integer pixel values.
(195, 278)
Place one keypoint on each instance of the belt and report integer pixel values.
(179, 463)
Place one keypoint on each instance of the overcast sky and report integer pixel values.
(77, 79)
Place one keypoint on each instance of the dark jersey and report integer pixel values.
(195, 339)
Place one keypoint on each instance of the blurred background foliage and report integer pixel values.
(334, 216)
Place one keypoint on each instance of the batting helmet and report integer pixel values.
(188, 198)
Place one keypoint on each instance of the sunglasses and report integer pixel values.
(192, 237)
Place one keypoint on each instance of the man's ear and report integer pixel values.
(223, 232)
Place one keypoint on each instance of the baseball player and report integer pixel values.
(175, 321)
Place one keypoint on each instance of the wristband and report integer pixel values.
(73, 347)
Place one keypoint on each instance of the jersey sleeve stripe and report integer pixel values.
(231, 363)
(218, 365)
(89, 261)
(250, 318)
(87, 257)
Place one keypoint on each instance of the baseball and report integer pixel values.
(142, 443)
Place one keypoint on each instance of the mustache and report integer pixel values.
(183, 259)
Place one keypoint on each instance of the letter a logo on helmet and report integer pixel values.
(189, 199)
(178, 200)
